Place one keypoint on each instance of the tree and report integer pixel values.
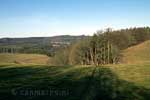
(61, 57)
(80, 53)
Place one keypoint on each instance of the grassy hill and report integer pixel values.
(137, 54)
(23, 59)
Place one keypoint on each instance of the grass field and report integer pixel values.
(6, 58)
(74, 83)
(137, 74)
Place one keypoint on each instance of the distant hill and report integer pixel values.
(38, 45)
(137, 54)
(40, 40)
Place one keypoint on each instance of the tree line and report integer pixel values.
(28, 49)
(103, 47)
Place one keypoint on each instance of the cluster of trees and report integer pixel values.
(102, 48)
(128, 37)
(8, 50)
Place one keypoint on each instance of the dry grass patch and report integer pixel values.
(23, 59)
(137, 54)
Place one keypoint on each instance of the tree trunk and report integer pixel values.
(92, 57)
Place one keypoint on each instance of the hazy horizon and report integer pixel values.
(36, 18)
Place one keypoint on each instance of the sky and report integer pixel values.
(35, 18)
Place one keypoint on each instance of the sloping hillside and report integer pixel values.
(137, 54)
(23, 59)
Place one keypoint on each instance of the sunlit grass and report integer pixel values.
(6, 58)
(138, 74)
(139, 54)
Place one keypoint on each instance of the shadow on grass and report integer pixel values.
(107, 86)
(66, 83)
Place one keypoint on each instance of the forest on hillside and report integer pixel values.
(103, 47)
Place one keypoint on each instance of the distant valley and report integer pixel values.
(40, 45)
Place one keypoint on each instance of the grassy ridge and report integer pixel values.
(137, 54)
(77, 83)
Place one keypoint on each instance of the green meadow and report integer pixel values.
(26, 82)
